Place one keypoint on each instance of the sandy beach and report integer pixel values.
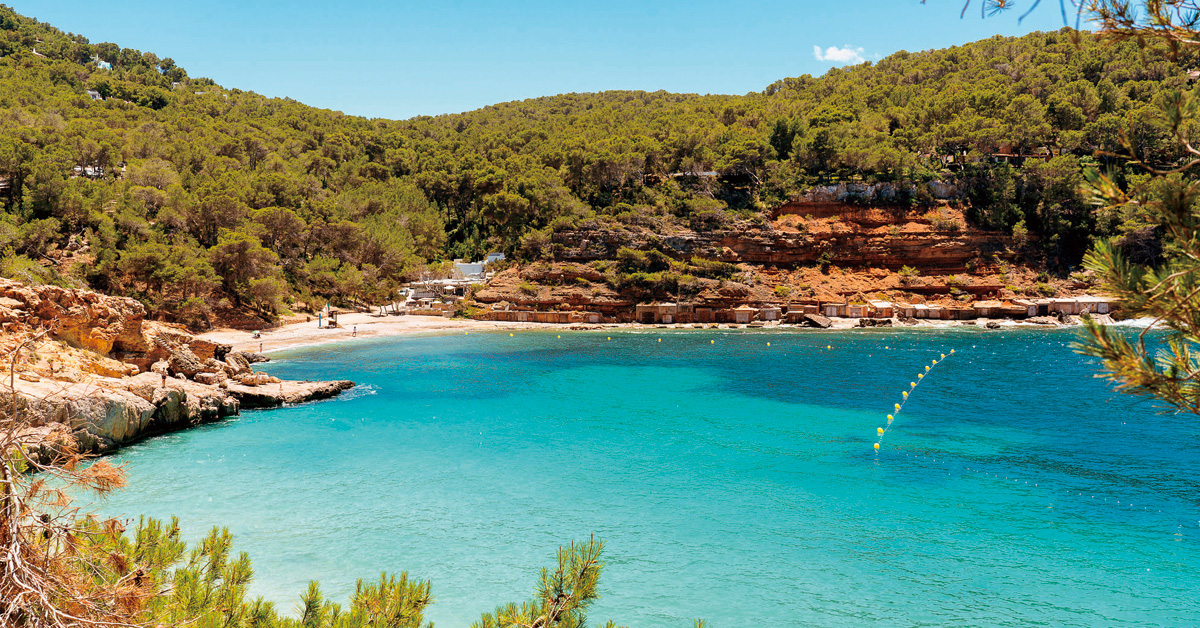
(359, 325)
(353, 326)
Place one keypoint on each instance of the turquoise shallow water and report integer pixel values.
(731, 480)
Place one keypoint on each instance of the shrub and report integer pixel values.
(907, 274)
(782, 291)
(712, 269)
(527, 288)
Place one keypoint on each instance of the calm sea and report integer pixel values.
(731, 480)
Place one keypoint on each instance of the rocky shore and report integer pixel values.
(89, 370)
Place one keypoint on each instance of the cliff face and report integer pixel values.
(832, 243)
(933, 241)
(104, 377)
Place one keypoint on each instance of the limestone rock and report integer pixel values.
(238, 363)
(206, 378)
(816, 320)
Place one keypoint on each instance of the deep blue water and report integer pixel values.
(731, 480)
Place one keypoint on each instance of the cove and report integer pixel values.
(731, 480)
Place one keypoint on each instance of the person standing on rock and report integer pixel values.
(160, 367)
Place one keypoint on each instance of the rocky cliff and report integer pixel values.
(92, 369)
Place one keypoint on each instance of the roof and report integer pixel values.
(743, 307)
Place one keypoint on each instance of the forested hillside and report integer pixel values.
(120, 171)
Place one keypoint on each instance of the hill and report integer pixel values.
(120, 171)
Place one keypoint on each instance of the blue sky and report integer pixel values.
(398, 59)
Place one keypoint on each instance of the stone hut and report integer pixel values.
(744, 314)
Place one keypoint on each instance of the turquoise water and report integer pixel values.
(731, 480)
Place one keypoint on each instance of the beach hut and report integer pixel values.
(857, 310)
(920, 310)
(935, 312)
(905, 310)
(1064, 306)
(744, 314)
(705, 315)
(881, 309)
(685, 313)
(1030, 308)
(960, 313)
(987, 309)
(1095, 305)
(833, 310)
(770, 313)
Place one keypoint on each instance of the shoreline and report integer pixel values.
(361, 325)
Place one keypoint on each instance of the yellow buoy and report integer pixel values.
(897, 407)
(768, 344)
(828, 346)
(920, 375)
(465, 333)
(876, 446)
(927, 369)
(510, 334)
(610, 337)
(660, 339)
(879, 430)
(890, 419)
(905, 393)
(560, 335)
(913, 384)
(943, 356)
(886, 347)
(712, 342)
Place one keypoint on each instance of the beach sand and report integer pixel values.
(368, 325)
(306, 334)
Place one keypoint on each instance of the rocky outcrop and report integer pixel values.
(286, 393)
(82, 318)
(816, 320)
(104, 416)
(104, 377)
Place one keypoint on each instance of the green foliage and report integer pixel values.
(335, 207)
(562, 596)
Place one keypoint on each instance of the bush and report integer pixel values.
(783, 291)
(527, 288)
(712, 269)
(907, 274)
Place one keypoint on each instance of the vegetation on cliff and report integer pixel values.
(119, 170)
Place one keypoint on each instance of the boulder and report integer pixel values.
(816, 320)
(992, 325)
(238, 363)
(1043, 320)
(874, 322)
(206, 378)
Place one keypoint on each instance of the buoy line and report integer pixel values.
(897, 407)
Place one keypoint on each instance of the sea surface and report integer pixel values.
(730, 479)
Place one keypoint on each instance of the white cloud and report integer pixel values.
(847, 55)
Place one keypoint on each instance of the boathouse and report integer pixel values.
(1030, 308)
(881, 309)
(743, 314)
(770, 313)
(857, 310)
